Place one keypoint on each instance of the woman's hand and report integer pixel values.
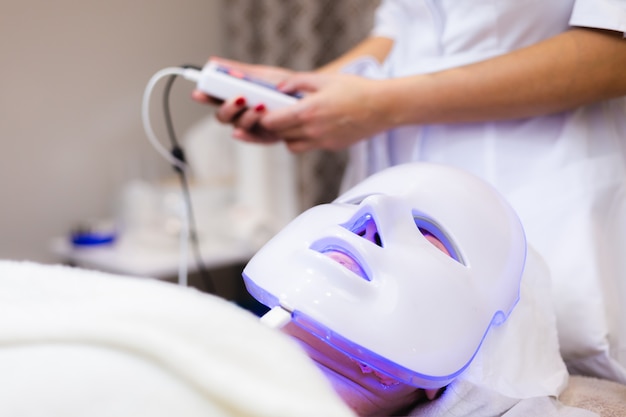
(337, 111)
(235, 110)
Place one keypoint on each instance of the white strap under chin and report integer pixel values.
(276, 318)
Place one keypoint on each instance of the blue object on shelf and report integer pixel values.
(93, 235)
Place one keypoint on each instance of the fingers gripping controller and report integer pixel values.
(221, 82)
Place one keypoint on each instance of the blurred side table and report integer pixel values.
(129, 256)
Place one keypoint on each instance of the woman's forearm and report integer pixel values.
(376, 47)
(574, 68)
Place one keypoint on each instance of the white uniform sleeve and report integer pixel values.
(388, 16)
(600, 14)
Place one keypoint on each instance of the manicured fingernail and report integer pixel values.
(260, 108)
(240, 101)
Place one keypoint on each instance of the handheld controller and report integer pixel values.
(223, 83)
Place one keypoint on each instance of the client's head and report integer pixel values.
(404, 274)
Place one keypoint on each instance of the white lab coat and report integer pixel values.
(564, 173)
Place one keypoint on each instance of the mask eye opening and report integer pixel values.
(428, 226)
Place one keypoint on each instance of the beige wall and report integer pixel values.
(72, 74)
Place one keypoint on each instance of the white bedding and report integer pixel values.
(82, 343)
(76, 343)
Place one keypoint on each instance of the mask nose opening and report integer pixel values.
(366, 227)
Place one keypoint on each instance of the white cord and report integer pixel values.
(189, 74)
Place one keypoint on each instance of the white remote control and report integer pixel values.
(223, 83)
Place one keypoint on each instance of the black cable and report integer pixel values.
(179, 154)
(168, 114)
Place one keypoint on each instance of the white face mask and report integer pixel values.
(360, 274)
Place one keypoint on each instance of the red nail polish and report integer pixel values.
(240, 101)
(260, 108)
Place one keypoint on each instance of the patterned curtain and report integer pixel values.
(301, 35)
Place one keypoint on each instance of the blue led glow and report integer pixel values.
(366, 356)
(375, 361)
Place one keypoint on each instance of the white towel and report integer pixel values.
(82, 343)
(518, 371)
(463, 398)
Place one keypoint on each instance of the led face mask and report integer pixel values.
(363, 274)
